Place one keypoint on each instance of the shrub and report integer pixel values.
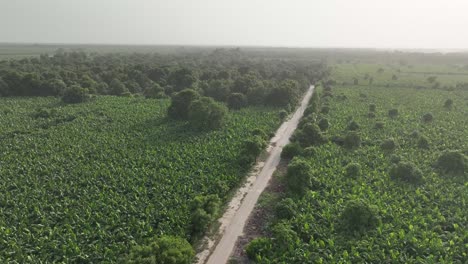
(395, 158)
(393, 113)
(448, 103)
(44, 113)
(284, 235)
(309, 152)
(259, 132)
(405, 171)
(236, 101)
(163, 250)
(258, 247)
(323, 124)
(379, 125)
(358, 216)
(452, 162)
(75, 94)
(204, 209)
(427, 117)
(352, 140)
(388, 145)
(253, 147)
(282, 114)
(371, 115)
(423, 142)
(414, 134)
(372, 108)
(180, 103)
(291, 150)
(325, 110)
(353, 170)
(353, 126)
(205, 114)
(299, 176)
(310, 135)
(285, 209)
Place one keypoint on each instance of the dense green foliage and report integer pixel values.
(162, 250)
(374, 206)
(84, 182)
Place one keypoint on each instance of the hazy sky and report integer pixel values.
(303, 23)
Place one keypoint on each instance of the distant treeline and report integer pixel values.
(219, 74)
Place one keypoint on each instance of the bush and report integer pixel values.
(236, 101)
(291, 150)
(283, 235)
(180, 103)
(325, 110)
(206, 114)
(393, 113)
(395, 158)
(388, 145)
(259, 132)
(285, 209)
(258, 247)
(452, 162)
(75, 94)
(323, 124)
(423, 142)
(309, 152)
(414, 134)
(353, 126)
(358, 216)
(253, 147)
(204, 209)
(427, 117)
(371, 115)
(299, 177)
(406, 171)
(448, 103)
(310, 135)
(163, 250)
(379, 125)
(352, 140)
(353, 170)
(372, 108)
(282, 114)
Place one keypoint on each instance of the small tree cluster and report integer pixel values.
(388, 145)
(427, 118)
(352, 140)
(406, 172)
(452, 162)
(300, 177)
(204, 210)
(291, 150)
(353, 170)
(162, 250)
(75, 94)
(393, 113)
(358, 216)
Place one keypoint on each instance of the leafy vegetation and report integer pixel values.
(378, 201)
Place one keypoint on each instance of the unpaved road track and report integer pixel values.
(236, 224)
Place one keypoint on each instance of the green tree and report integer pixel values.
(75, 94)
(236, 101)
(162, 250)
(205, 113)
(117, 87)
(180, 103)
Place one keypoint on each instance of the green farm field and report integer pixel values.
(398, 75)
(357, 204)
(85, 182)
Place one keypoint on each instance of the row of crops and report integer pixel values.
(83, 183)
(376, 175)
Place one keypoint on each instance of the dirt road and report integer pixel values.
(235, 220)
